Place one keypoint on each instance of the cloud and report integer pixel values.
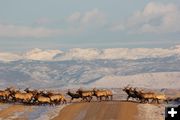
(154, 18)
(75, 24)
(44, 21)
(92, 17)
(75, 17)
(26, 31)
(16, 31)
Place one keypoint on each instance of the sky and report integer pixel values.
(65, 24)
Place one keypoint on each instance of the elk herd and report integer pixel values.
(37, 97)
(87, 95)
(144, 97)
(34, 97)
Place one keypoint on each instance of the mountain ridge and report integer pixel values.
(90, 54)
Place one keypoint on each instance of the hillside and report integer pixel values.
(116, 67)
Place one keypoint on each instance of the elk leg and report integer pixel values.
(158, 101)
(100, 99)
(128, 98)
(97, 98)
(166, 101)
(82, 99)
(65, 101)
(86, 99)
(90, 99)
(106, 98)
(152, 101)
(142, 100)
(71, 99)
(147, 100)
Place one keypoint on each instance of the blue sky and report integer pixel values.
(64, 24)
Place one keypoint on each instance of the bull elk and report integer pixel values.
(130, 93)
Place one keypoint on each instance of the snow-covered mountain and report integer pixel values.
(50, 74)
(38, 54)
(117, 67)
(4, 56)
(91, 54)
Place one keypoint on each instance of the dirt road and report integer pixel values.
(111, 110)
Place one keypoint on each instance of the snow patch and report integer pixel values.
(151, 112)
(38, 54)
(147, 80)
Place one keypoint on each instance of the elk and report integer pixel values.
(102, 93)
(85, 95)
(130, 93)
(4, 94)
(99, 94)
(144, 97)
(56, 98)
(158, 97)
(42, 99)
(73, 95)
(24, 97)
(109, 94)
